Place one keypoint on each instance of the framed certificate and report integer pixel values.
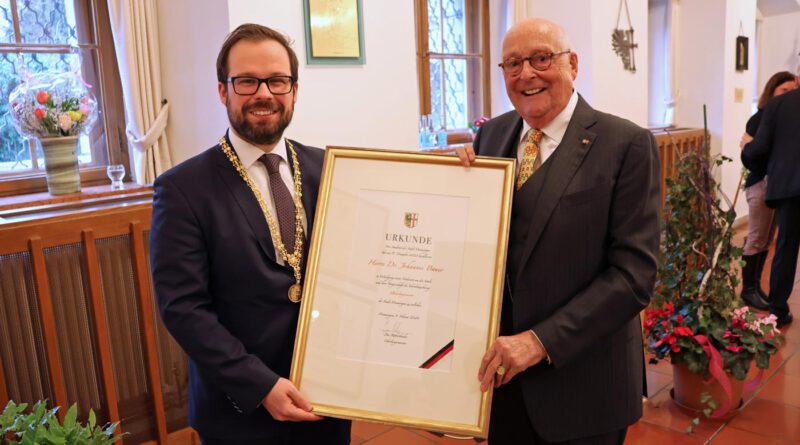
(334, 32)
(403, 288)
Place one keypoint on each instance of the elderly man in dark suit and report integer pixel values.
(228, 242)
(568, 365)
(776, 150)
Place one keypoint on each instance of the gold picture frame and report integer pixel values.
(408, 251)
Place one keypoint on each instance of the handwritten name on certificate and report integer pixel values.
(408, 256)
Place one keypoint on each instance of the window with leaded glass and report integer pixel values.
(453, 63)
(57, 35)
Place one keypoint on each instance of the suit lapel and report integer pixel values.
(567, 158)
(246, 200)
(509, 138)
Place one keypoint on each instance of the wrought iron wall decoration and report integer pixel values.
(622, 40)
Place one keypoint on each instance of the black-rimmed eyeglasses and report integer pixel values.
(248, 85)
(539, 61)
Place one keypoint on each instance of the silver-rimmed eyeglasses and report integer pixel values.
(539, 61)
(249, 85)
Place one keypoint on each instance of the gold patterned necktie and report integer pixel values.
(527, 166)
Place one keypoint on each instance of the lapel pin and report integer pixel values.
(585, 141)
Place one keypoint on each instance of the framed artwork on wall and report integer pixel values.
(334, 32)
(741, 53)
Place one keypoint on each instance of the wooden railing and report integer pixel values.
(77, 319)
(672, 144)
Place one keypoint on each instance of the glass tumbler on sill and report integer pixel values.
(116, 173)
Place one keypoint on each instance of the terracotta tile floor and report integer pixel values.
(770, 414)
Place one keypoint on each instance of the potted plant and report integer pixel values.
(41, 426)
(55, 109)
(695, 317)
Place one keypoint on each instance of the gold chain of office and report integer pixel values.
(295, 258)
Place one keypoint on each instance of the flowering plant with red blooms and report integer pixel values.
(695, 316)
(740, 337)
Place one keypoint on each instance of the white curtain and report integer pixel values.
(674, 59)
(135, 28)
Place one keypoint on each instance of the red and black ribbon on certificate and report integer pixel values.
(440, 354)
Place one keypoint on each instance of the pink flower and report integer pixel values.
(741, 312)
(39, 113)
(84, 108)
(64, 121)
(42, 97)
(734, 348)
(729, 334)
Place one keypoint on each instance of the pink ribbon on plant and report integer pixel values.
(753, 384)
(717, 372)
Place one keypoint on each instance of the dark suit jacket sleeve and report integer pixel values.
(625, 286)
(180, 276)
(755, 155)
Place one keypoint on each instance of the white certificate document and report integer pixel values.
(408, 250)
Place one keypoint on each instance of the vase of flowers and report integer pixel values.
(55, 109)
(696, 319)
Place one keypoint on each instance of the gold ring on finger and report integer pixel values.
(501, 370)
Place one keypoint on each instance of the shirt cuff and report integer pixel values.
(547, 356)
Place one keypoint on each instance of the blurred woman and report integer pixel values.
(760, 219)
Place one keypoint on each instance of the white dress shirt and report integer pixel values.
(552, 135)
(249, 154)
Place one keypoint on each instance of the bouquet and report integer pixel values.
(52, 104)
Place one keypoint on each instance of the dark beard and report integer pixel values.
(262, 134)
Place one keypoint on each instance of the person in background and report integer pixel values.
(568, 365)
(775, 149)
(228, 240)
(760, 218)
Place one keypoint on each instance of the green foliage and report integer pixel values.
(40, 426)
(695, 297)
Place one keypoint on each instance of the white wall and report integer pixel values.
(190, 33)
(575, 17)
(779, 46)
(737, 112)
(602, 80)
(658, 46)
(372, 105)
(500, 16)
(707, 76)
(616, 90)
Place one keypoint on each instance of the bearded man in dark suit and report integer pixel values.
(228, 242)
(568, 365)
(776, 150)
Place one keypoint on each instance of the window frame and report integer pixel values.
(424, 55)
(96, 21)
